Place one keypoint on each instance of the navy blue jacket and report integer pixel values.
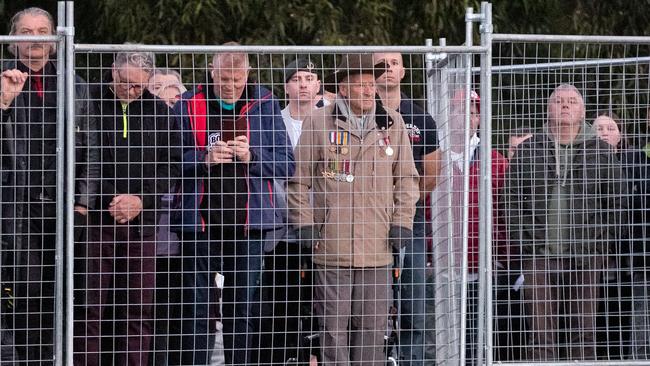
(272, 158)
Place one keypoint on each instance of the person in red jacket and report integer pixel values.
(499, 166)
(451, 179)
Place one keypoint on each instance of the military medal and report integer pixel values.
(347, 175)
(332, 137)
(385, 141)
(389, 150)
(344, 150)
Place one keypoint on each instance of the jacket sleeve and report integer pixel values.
(615, 199)
(168, 156)
(193, 160)
(298, 192)
(510, 207)
(499, 237)
(406, 190)
(274, 157)
(87, 148)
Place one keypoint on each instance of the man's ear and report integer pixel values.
(343, 90)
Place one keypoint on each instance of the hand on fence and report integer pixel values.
(308, 237)
(12, 84)
(399, 236)
(125, 207)
(241, 148)
(219, 153)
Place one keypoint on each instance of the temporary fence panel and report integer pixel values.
(31, 164)
(571, 286)
(347, 182)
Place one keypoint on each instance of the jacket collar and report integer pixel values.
(47, 70)
(383, 120)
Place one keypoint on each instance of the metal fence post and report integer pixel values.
(465, 216)
(69, 181)
(60, 177)
(485, 190)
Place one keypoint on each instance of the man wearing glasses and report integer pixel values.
(140, 147)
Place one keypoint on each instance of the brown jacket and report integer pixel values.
(353, 217)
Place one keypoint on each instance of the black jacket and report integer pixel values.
(154, 152)
(14, 160)
(637, 172)
(596, 186)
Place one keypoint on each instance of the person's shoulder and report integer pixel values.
(198, 91)
(413, 113)
(497, 156)
(387, 117)
(320, 115)
(408, 105)
(260, 93)
(9, 65)
(596, 144)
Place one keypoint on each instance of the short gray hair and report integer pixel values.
(569, 87)
(235, 60)
(33, 11)
(142, 60)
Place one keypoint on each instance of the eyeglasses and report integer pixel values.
(363, 85)
(124, 84)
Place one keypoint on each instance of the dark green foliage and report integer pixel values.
(330, 22)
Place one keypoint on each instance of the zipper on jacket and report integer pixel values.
(125, 121)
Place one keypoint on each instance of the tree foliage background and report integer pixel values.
(333, 22)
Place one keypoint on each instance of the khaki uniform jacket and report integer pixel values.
(353, 217)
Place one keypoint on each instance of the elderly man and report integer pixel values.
(422, 134)
(235, 146)
(355, 158)
(564, 212)
(28, 109)
(140, 147)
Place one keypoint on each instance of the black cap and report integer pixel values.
(299, 64)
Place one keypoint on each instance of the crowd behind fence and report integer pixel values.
(320, 205)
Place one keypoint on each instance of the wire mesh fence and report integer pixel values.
(325, 205)
(575, 205)
(30, 252)
(307, 234)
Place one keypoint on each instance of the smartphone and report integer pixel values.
(233, 128)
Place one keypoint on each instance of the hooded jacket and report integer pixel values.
(564, 200)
